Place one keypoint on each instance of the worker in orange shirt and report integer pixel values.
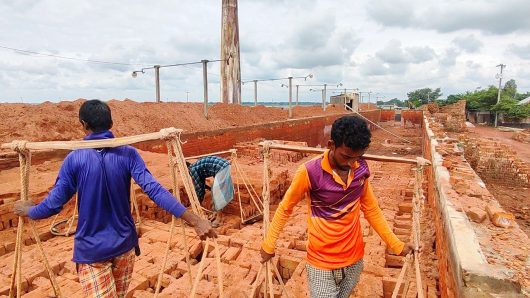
(338, 188)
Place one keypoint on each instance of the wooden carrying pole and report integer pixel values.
(315, 150)
(106, 143)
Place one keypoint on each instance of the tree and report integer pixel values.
(511, 109)
(510, 88)
(393, 101)
(423, 96)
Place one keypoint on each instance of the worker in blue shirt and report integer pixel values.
(222, 189)
(105, 240)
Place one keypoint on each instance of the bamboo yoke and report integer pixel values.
(177, 162)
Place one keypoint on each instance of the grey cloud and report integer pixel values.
(449, 57)
(318, 43)
(468, 43)
(394, 53)
(521, 51)
(421, 54)
(499, 17)
(376, 67)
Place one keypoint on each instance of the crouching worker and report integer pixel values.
(337, 186)
(105, 239)
(222, 189)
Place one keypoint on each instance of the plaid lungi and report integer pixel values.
(108, 279)
(336, 283)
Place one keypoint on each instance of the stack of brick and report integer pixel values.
(498, 162)
(522, 136)
(453, 116)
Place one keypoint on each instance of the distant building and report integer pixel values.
(350, 99)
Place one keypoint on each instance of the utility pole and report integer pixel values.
(205, 83)
(157, 79)
(290, 96)
(499, 76)
(297, 94)
(255, 92)
(230, 66)
(324, 97)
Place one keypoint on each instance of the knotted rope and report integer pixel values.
(24, 157)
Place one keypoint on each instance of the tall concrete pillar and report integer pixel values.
(230, 66)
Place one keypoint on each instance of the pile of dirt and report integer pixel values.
(59, 121)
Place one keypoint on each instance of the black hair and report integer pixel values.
(96, 114)
(351, 131)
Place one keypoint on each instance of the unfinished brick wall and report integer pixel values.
(313, 130)
(453, 116)
(497, 162)
(367, 106)
(412, 117)
(374, 116)
(447, 279)
(388, 115)
(470, 256)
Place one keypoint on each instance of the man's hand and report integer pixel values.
(21, 208)
(204, 229)
(265, 256)
(409, 248)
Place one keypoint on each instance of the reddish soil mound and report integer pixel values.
(59, 121)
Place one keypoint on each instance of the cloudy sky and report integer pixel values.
(389, 47)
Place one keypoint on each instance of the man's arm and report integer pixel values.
(377, 220)
(165, 199)
(299, 186)
(63, 190)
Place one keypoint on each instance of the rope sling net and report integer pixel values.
(178, 165)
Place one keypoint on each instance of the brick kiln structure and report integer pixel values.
(464, 254)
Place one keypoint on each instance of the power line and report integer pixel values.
(69, 58)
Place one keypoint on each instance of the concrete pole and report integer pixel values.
(502, 66)
(157, 82)
(205, 83)
(323, 100)
(290, 97)
(230, 66)
(255, 92)
(297, 94)
(324, 97)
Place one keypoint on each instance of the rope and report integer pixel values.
(25, 163)
(134, 205)
(395, 135)
(54, 226)
(176, 193)
(195, 204)
(252, 192)
(266, 215)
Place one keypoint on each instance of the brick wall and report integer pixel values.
(412, 117)
(314, 131)
(447, 280)
(388, 115)
(497, 162)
